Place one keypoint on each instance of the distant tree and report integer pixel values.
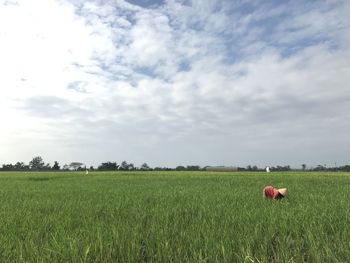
(124, 166)
(91, 168)
(193, 168)
(345, 168)
(47, 167)
(303, 166)
(281, 168)
(131, 167)
(163, 169)
(37, 163)
(287, 168)
(75, 165)
(65, 167)
(56, 166)
(20, 166)
(7, 167)
(320, 168)
(145, 167)
(108, 166)
(180, 168)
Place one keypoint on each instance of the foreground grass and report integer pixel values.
(173, 217)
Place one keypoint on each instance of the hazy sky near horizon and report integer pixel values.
(175, 82)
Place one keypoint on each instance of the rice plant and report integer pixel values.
(173, 217)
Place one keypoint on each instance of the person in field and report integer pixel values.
(274, 193)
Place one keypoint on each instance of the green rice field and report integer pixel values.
(173, 217)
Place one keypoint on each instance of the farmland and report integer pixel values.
(173, 217)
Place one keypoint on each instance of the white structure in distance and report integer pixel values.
(267, 169)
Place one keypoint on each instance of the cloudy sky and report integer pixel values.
(175, 82)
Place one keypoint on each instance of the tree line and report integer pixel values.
(38, 164)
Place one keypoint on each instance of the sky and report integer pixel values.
(175, 82)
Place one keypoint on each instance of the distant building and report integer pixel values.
(267, 169)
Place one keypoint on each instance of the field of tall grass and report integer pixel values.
(173, 217)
